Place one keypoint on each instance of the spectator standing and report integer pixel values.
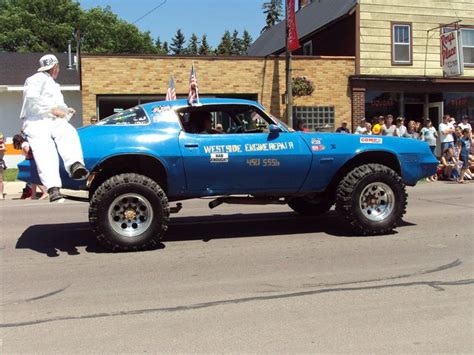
(362, 127)
(3, 167)
(464, 144)
(377, 128)
(368, 125)
(388, 129)
(465, 123)
(411, 131)
(428, 134)
(400, 129)
(446, 130)
(93, 120)
(343, 128)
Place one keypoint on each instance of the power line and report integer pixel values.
(149, 12)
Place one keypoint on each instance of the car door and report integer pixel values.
(245, 162)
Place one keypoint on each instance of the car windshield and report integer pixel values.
(133, 116)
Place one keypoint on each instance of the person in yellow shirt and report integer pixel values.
(377, 128)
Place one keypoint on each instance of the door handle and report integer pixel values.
(191, 145)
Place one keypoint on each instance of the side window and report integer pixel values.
(133, 116)
(231, 119)
(401, 44)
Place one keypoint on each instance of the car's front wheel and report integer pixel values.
(129, 212)
(372, 199)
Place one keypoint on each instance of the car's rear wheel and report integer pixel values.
(129, 212)
(372, 199)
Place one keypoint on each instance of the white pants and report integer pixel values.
(47, 137)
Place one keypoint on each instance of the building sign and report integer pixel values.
(451, 54)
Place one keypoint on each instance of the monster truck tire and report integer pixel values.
(372, 199)
(129, 212)
(306, 207)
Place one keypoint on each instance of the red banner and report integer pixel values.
(293, 42)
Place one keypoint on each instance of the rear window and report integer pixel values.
(133, 116)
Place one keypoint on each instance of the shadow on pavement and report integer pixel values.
(49, 239)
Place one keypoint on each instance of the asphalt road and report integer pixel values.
(242, 279)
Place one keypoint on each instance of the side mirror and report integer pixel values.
(274, 129)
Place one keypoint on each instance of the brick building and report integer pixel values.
(114, 82)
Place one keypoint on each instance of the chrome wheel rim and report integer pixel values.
(377, 201)
(130, 215)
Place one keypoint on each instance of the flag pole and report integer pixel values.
(288, 70)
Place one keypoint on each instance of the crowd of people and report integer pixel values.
(455, 141)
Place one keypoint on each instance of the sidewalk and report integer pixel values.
(13, 190)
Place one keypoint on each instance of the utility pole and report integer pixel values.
(288, 70)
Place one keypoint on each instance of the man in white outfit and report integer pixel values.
(45, 123)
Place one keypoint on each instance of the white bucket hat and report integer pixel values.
(47, 62)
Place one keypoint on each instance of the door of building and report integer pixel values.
(435, 113)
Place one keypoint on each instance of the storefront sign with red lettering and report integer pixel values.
(451, 54)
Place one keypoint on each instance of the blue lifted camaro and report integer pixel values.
(143, 158)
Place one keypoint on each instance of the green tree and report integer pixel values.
(236, 43)
(205, 49)
(193, 47)
(177, 44)
(37, 25)
(47, 25)
(225, 47)
(273, 10)
(246, 41)
(158, 45)
(166, 49)
(104, 32)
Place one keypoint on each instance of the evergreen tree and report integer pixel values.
(236, 43)
(193, 47)
(225, 47)
(158, 45)
(166, 49)
(177, 44)
(273, 10)
(246, 41)
(205, 49)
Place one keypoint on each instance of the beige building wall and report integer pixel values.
(375, 33)
(265, 77)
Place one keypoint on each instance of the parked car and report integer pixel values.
(146, 157)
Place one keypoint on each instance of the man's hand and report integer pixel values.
(71, 111)
(58, 113)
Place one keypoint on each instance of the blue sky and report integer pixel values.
(211, 17)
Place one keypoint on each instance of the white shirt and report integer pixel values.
(445, 138)
(465, 125)
(400, 131)
(361, 130)
(41, 94)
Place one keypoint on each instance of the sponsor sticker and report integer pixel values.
(371, 140)
(318, 148)
(315, 141)
(157, 109)
(219, 157)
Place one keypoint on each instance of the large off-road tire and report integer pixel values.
(307, 207)
(129, 212)
(372, 199)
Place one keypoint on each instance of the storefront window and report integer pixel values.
(458, 104)
(381, 104)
